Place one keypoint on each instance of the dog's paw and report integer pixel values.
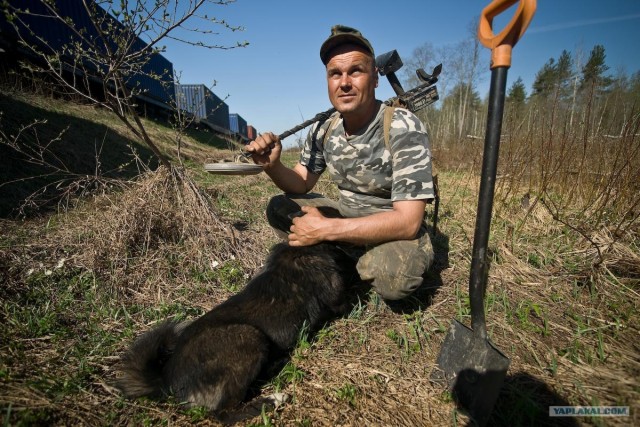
(277, 399)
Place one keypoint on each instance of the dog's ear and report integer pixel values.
(330, 212)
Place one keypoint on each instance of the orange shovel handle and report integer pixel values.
(502, 43)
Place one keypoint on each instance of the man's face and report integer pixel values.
(352, 79)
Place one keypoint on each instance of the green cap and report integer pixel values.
(341, 34)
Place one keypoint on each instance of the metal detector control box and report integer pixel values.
(414, 99)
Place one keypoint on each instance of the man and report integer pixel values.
(383, 191)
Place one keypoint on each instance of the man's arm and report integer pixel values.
(297, 180)
(266, 151)
(401, 223)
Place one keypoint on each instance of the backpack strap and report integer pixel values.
(386, 125)
(334, 119)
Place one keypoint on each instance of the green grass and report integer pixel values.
(348, 393)
(230, 275)
(567, 323)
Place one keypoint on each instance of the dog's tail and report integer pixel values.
(142, 365)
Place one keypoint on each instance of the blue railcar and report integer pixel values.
(200, 101)
(238, 125)
(49, 35)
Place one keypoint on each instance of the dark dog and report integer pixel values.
(213, 360)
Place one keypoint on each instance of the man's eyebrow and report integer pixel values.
(358, 65)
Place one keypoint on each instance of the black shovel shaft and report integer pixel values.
(479, 260)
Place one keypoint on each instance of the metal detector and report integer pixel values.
(414, 99)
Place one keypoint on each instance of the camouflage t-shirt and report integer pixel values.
(368, 176)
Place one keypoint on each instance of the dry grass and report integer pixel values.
(77, 287)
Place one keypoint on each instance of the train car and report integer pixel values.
(200, 101)
(153, 82)
(238, 125)
(252, 133)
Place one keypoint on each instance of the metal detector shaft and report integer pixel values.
(320, 116)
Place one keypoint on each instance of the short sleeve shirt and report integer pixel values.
(368, 176)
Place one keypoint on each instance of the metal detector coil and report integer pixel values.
(232, 168)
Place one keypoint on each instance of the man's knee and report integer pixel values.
(395, 288)
(396, 268)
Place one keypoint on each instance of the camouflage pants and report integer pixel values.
(394, 268)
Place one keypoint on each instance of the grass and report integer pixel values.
(79, 285)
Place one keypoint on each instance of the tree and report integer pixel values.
(564, 74)
(466, 62)
(593, 72)
(634, 87)
(107, 44)
(425, 57)
(517, 93)
(545, 79)
(556, 81)
(451, 105)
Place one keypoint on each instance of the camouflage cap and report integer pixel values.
(341, 34)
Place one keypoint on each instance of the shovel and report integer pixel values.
(468, 363)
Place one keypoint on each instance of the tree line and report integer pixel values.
(584, 94)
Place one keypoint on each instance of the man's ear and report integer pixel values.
(375, 71)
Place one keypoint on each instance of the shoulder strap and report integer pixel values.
(386, 125)
(334, 119)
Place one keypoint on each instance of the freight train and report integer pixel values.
(157, 93)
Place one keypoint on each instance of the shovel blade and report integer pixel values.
(473, 369)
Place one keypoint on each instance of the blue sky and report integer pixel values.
(278, 80)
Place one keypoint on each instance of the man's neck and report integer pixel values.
(353, 122)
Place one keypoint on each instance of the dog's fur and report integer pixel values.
(213, 360)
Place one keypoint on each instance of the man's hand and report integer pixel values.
(308, 229)
(265, 150)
